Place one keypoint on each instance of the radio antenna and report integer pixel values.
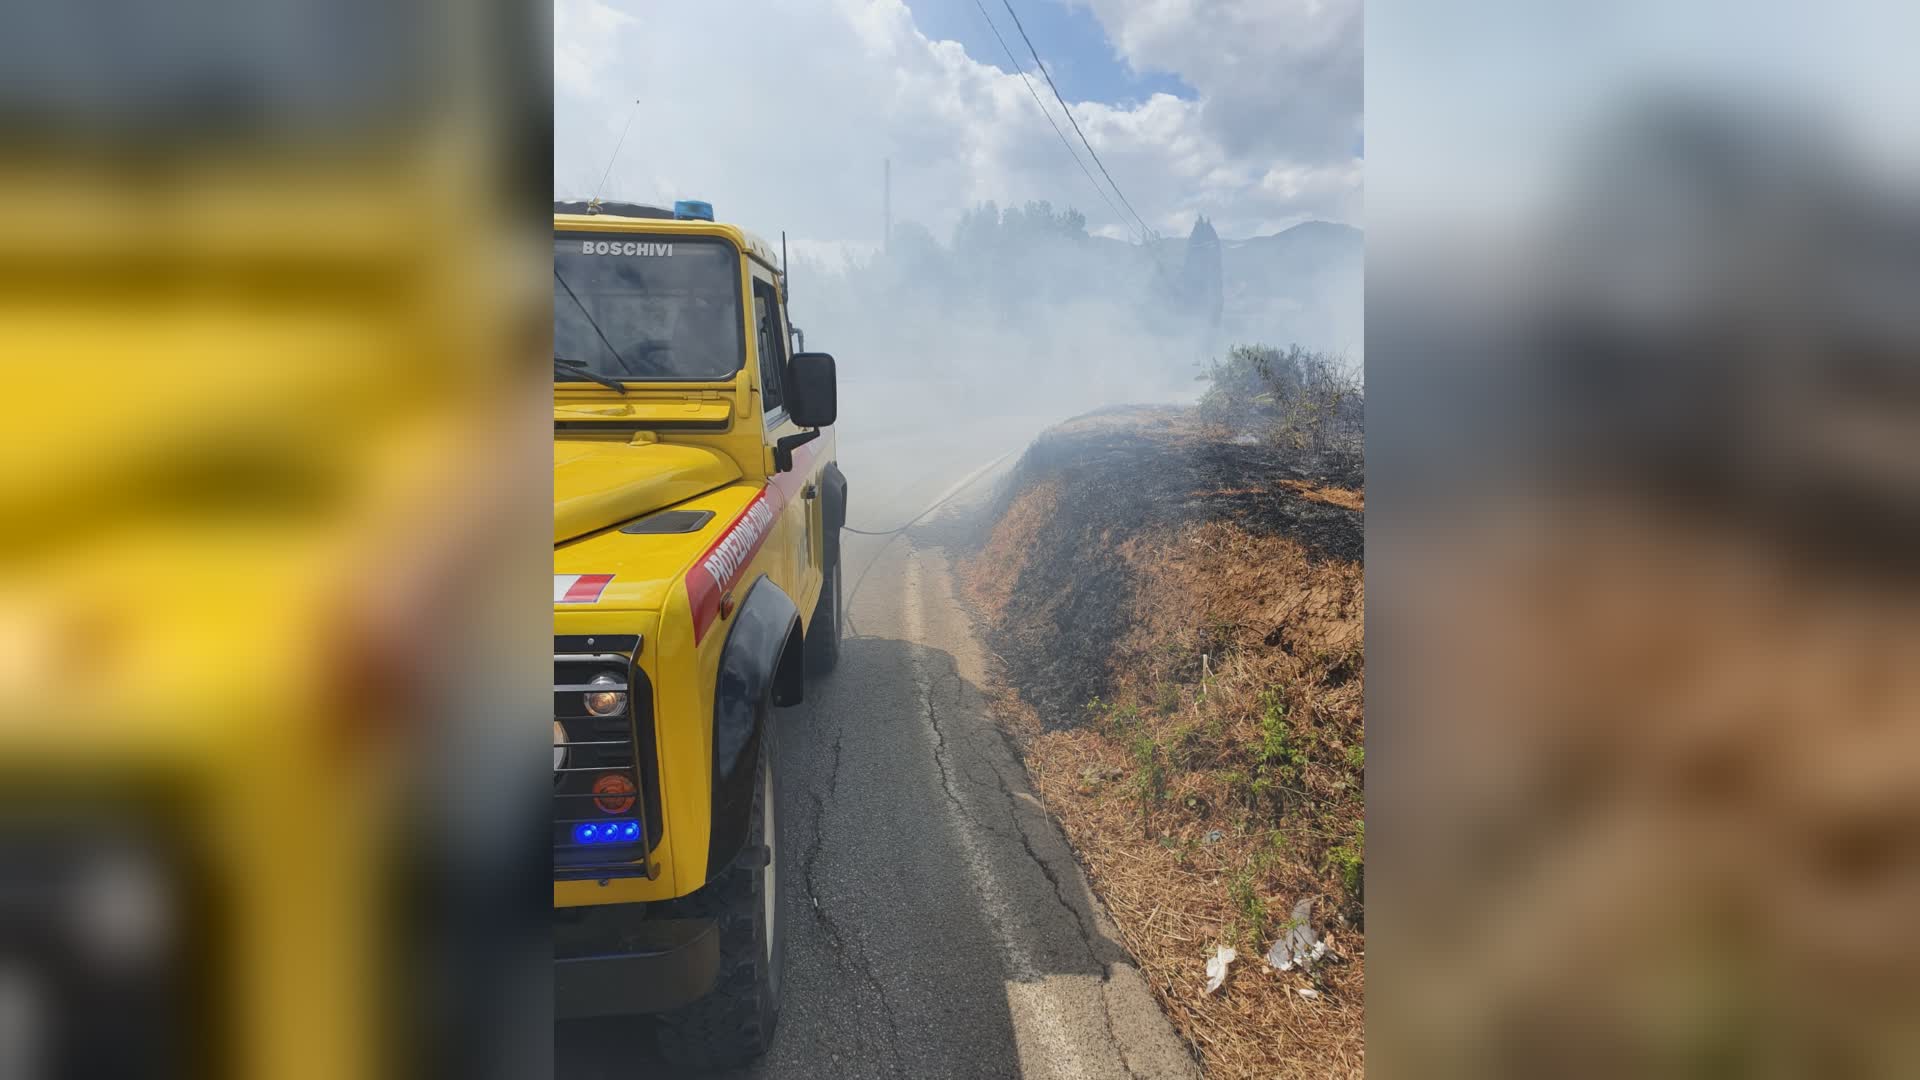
(786, 277)
(616, 152)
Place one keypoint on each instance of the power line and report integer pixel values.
(1076, 124)
(1075, 154)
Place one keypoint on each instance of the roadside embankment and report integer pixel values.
(1178, 619)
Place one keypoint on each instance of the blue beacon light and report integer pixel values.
(606, 832)
(692, 210)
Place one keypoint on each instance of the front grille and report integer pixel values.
(598, 747)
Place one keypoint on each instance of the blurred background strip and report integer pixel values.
(1644, 428)
(271, 520)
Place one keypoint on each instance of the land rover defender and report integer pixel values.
(697, 514)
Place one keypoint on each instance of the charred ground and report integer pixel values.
(1178, 612)
(1064, 604)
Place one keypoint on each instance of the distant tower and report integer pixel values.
(1201, 278)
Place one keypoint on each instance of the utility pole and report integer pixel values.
(886, 204)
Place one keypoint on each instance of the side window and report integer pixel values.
(773, 340)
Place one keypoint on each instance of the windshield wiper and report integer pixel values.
(574, 367)
(590, 321)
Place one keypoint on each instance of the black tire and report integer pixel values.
(829, 621)
(734, 1024)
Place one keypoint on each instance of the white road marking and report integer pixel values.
(1038, 1003)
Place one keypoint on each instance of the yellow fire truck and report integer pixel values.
(697, 508)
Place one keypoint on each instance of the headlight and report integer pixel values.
(559, 747)
(609, 702)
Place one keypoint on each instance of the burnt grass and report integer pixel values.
(1124, 471)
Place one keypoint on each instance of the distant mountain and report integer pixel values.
(1328, 236)
(1287, 262)
(1303, 284)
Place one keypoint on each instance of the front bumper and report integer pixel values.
(608, 962)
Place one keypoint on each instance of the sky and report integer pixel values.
(780, 112)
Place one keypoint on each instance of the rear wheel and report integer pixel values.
(734, 1024)
(829, 620)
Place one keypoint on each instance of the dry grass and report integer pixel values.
(1344, 498)
(1219, 781)
(1011, 543)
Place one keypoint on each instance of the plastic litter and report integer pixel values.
(1301, 945)
(1307, 992)
(1217, 967)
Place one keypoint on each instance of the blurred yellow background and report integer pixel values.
(271, 508)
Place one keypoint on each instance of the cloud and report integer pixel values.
(1280, 78)
(584, 34)
(781, 111)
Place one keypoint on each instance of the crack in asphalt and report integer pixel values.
(967, 760)
(943, 759)
(1106, 1010)
(846, 954)
(1083, 920)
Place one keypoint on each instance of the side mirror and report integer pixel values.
(812, 401)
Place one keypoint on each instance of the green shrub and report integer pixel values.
(1349, 861)
(1113, 719)
(1249, 908)
(1277, 752)
(1295, 397)
(1149, 778)
(1166, 698)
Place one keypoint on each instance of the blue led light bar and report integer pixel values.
(693, 210)
(607, 832)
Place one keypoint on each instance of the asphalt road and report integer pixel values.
(938, 924)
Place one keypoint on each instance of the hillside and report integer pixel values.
(1179, 620)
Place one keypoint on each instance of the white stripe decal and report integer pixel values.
(579, 588)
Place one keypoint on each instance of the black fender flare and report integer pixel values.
(834, 510)
(759, 665)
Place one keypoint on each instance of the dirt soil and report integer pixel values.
(1178, 617)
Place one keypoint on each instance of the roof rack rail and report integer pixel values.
(611, 209)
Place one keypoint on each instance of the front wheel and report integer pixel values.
(829, 621)
(734, 1024)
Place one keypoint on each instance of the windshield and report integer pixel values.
(638, 308)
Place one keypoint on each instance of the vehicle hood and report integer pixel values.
(597, 483)
(614, 571)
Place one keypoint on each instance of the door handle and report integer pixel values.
(808, 492)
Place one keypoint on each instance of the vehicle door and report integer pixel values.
(800, 522)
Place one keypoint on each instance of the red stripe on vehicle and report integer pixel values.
(586, 589)
(724, 563)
